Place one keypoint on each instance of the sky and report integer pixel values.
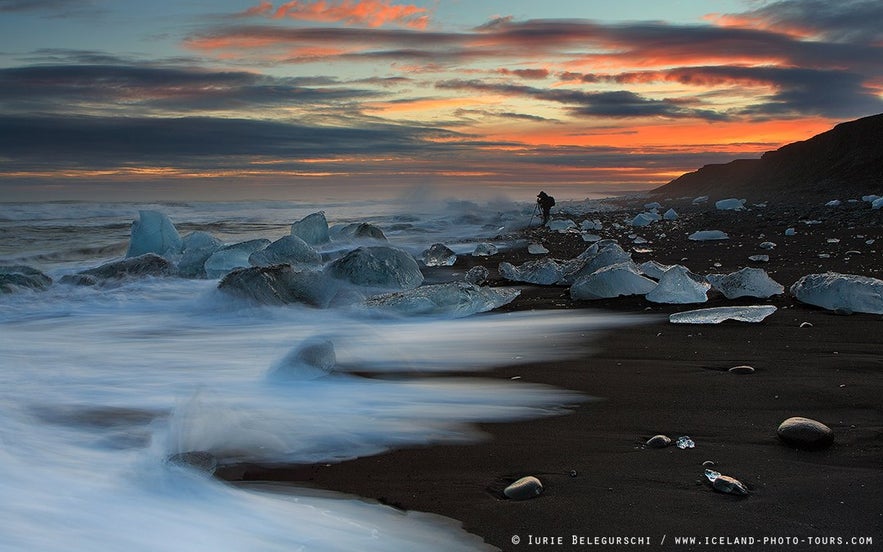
(224, 99)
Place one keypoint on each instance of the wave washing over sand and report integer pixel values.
(101, 385)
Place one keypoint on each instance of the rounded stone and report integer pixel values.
(805, 433)
(524, 488)
(658, 441)
(741, 370)
(729, 485)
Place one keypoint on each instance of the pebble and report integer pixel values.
(741, 370)
(659, 441)
(729, 485)
(805, 433)
(524, 488)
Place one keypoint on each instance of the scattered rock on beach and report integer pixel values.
(729, 485)
(658, 441)
(524, 489)
(805, 433)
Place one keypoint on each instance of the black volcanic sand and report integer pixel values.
(672, 379)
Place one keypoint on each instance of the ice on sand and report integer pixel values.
(154, 232)
(671, 214)
(644, 219)
(312, 229)
(598, 255)
(231, 257)
(840, 292)
(561, 225)
(678, 286)
(653, 269)
(543, 272)
(731, 204)
(537, 249)
(279, 285)
(708, 235)
(439, 254)
(312, 359)
(612, 281)
(485, 250)
(455, 299)
(286, 250)
(753, 313)
(377, 266)
(748, 282)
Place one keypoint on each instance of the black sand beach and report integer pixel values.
(601, 482)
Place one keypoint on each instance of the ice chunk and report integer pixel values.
(684, 442)
(543, 272)
(154, 232)
(671, 214)
(748, 282)
(708, 235)
(833, 203)
(752, 313)
(591, 225)
(561, 225)
(767, 245)
(591, 237)
(611, 281)
(601, 254)
(279, 285)
(653, 269)
(439, 255)
(457, 299)
(653, 205)
(700, 199)
(22, 277)
(232, 256)
(312, 229)
(477, 275)
(870, 198)
(286, 250)
(485, 250)
(840, 292)
(877, 203)
(759, 258)
(537, 249)
(678, 285)
(149, 264)
(790, 232)
(198, 247)
(643, 219)
(731, 204)
(312, 359)
(357, 231)
(378, 266)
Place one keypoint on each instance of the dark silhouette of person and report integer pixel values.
(546, 202)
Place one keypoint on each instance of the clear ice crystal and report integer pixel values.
(684, 442)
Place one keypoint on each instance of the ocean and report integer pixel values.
(99, 386)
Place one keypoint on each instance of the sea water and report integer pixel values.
(100, 385)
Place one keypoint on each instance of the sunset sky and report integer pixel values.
(257, 99)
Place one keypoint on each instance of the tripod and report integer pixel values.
(536, 210)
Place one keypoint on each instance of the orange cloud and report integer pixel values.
(373, 13)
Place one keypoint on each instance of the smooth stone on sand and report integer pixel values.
(524, 488)
(658, 441)
(729, 485)
(805, 433)
(741, 370)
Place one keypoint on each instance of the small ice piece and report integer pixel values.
(731, 204)
(561, 225)
(711, 475)
(456, 299)
(870, 242)
(537, 249)
(591, 238)
(642, 219)
(612, 281)
(231, 257)
(767, 245)
(653, 269)
(840, 292)
(678, 286)
(477, 275)
(729, 485)
(790, 232)
(833, 203)
(700, 199)
(439, 254)
(708, 235)
(154, 232)
(377, 266)
(833, 240)
(877, 203)
(523, 489)
(638, 240)
(485, 249)
(684, 442)
(543, 272)
(752, 313)
(870, 198)
(671, 214)
(312, 229)
(747, 282)
(653, 205)
(312, 359)
(286, 250)
(759, 258)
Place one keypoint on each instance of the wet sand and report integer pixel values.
(600, 481)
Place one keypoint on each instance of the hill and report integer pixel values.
(844, 162)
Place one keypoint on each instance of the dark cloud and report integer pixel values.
(51, 8)
(621, 103)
